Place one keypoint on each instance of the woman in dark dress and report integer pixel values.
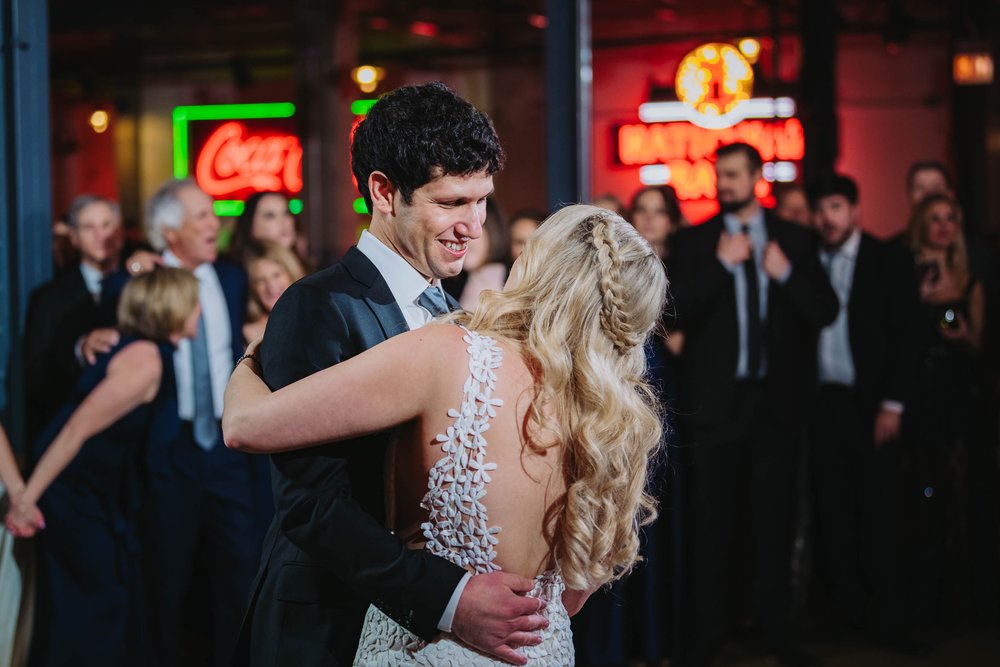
(82, 490)
(941, 420)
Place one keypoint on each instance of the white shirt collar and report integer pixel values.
(404, 281)
(91, 278)
(848, 248)
(734, 224)
(170, 259)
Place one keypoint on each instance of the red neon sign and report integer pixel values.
(235, 159)
(661, 143)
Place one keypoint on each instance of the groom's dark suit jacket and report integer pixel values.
(327, 554)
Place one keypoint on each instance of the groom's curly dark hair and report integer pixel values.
(414, 131)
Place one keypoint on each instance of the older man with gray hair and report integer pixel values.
(206, 504)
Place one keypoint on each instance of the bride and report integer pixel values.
(523, 433)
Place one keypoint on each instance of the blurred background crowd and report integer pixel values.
(846, 476)
(835, 498)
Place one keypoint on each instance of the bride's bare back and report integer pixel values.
(527, 480)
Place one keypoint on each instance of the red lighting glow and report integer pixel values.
(423, 29)
(234, 159)
(688, 150)
(539, 21)
(656, 143)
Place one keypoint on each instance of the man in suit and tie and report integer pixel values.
(424, 160)
(866, 364)
(61, 313)
(205, 505)
(750, 296)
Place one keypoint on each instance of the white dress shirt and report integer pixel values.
(218, 333)
(92, 279)
(756, 229)
(836, 363)
(404, 281)
(406, 285)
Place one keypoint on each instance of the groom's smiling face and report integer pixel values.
(432, 232)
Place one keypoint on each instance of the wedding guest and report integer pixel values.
(265, 218)
(13, 482)
(15, 579)
(271, 268)
(62, 313)
(792, 204)
(928, 177)
(611, 202)
(750, 295)
(866, 365)
(656, 213)
(192, 479)
(522, 225)
(947, 449)
(89, 600)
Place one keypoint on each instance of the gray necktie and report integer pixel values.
(205, 427)
(433, 300)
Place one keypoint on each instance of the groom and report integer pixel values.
(424, 160)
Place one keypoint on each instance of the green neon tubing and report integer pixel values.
(183, 115)
(231, 207)
(361, 107)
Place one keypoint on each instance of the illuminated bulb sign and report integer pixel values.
(235, 150)
(675, 142)
(714, 80)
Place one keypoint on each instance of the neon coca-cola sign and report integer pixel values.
(234, 159)
(234, 150)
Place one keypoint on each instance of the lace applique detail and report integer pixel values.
(457, 527)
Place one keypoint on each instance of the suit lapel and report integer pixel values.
(377, 295)
(772, 235)
(861, 279)
(77, 287)
(714, 228)
(228, 276)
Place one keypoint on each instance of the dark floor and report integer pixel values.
(970, 648)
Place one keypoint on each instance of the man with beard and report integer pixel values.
(750, 297)
(866, 363)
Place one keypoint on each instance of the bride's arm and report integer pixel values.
(387, 385)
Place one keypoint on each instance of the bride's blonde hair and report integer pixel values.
(590, 291)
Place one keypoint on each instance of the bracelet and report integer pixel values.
(250, 355)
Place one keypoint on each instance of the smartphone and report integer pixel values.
(949, 319)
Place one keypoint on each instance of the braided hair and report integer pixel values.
(590, 291)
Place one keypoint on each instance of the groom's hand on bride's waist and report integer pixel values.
(496, 617)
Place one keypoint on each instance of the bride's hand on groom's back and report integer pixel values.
(496, 617)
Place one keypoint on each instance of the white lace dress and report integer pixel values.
(458, 529)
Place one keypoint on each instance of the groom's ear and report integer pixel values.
(382, 192)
